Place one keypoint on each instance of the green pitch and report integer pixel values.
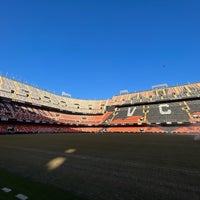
(101, 166)
(32, 189)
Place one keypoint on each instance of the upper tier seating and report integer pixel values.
(25, 93)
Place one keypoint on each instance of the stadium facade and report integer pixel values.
(24, 108)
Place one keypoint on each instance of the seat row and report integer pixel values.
(28, 113)
(171, 112)
(22, 92)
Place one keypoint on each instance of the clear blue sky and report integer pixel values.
(93, 49)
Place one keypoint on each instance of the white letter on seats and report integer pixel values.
(164, 112)
(131, 112)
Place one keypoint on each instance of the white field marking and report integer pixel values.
(21, 196)
(105, 160)
(5, 189)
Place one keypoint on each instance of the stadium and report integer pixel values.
(99, 100)
(132, 146)
(26, 109)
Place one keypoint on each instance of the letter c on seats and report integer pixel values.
(164, 111)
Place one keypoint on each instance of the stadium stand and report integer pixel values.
(167, 113)
(24, 108)
(128, 115)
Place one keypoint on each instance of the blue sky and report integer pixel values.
(94, 49)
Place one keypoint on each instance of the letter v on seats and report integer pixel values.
(131, 111)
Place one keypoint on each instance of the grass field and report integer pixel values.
(32, 189)
(102, 166)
